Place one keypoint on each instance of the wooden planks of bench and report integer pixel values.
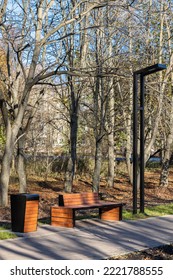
(64, 214)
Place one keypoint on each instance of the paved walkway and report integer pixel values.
(90, 240)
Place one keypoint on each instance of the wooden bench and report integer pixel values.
(64, 214)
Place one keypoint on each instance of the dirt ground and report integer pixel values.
(122, 192)
(160, 253)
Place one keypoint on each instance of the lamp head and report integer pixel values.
(151, 69)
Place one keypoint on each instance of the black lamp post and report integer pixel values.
(140, 73)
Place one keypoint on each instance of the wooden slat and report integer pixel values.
(60, 209)
(30, 212)
(67, 223)
(63, 216)
(61, 212)
(80, 198)
(33, 207)
(60, 219)
(30, 223)
(32, 203)
(29, 228)
(79, 201)
(81, 195)
(113, 214)
(31, 219)
(32, 215)
(77, 195)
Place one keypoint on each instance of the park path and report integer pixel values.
(89, 240)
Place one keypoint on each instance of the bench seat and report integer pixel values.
(84, 206)
(64, 214)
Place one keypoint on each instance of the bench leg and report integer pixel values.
(111, 213)
(62, 217)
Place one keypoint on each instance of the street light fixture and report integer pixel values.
(140, 73)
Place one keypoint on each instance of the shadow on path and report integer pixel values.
(91, 239)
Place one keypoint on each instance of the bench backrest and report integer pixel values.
(73, 199)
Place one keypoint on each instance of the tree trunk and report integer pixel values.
(167, 151)
(164, 173)
(4, 178)
(21, 163)
(5, 168)
(111, 124)
(128, 117)
(70, 171)
(128, 125)
(12, 131)
(69, 175)
(21, 173)
(97, 168)
(111, 160)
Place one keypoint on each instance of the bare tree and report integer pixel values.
(27, 42)
(3, 6)
(168, 108)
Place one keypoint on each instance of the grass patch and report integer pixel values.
(154, 211)
(7, 235)
(4, 233)
(5, 225)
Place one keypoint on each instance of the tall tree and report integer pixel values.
(168, 108)
(3, 6)
(26, 43)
